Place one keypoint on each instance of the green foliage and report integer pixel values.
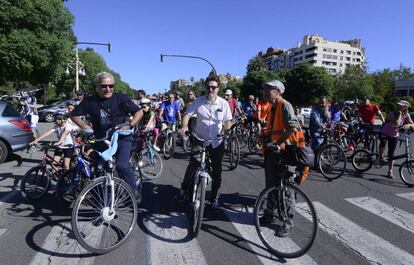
(36, 38)
(256, 64)
(353, 84)
(252, 82)
(306, 83)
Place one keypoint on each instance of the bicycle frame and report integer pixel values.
(201, 172)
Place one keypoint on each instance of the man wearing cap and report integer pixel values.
(282, 128)
(234, 108)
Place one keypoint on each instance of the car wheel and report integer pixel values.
(4, 152)
(49, 117)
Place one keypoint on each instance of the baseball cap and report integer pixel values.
(277, 84)
(228, 92)
(403, 103)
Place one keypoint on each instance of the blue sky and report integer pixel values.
(229, 32)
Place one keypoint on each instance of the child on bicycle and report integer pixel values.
(148, 121)
(390, 132)
(65, 139)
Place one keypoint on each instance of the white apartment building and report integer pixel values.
(334, 56)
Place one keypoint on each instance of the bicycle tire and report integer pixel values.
(362, 160)
(234, 152)
(251, 143)
(304, 218)
(328, 158)
(168, 145)
(33, 191)
(141, 163)
(198, 207)
(97, 220)
(407, 176)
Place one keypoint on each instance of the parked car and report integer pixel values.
(306, 116)
(46, 113)
(15, 133)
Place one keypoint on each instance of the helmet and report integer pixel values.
(71, 102)
(60, 114)
(145, 101)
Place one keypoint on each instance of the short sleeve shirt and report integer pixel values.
(264, 108)
(170, 111)
(210, 117)
(368, 112)
(60, 130)
(233, 105)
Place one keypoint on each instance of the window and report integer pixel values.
(341, 58)
(348, 52)
(310, 55)
(334, 57)
(9, 111)
(311, 49)
(342, 52)
(348, 58)
(334, 50)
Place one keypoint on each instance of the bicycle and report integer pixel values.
(37, 180)
(275, 209)
(200, 180)
(105, 212)
(144, 159)
(363, 159)
(232, 148)
(331, 158)
(168, 139)
(256, 138)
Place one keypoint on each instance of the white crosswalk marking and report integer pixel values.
(169, 242)
(408, 196)
(390, 213)
(59, 248)
(243, 222)
(2, 231)
(370, 246)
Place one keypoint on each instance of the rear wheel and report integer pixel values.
(4, 152)
(362, 160)
(35, 183)
(407, 173)
(332, 161)
(233, 152)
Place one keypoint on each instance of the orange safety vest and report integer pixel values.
(276, 127)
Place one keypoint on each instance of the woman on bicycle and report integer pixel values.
(148, 121)
(390, 132)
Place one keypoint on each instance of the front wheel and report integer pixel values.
(286, 208)
(35, 183)
(169, 145)
(97, 227)
(407, 173)
(198, 206)
(148, 163)
(234, 152)
(332, 161)
(362, 160)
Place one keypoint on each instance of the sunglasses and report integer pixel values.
(212, 87)
(107, 85)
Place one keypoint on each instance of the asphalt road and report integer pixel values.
(362, 219)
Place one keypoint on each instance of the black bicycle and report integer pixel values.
(285, 206)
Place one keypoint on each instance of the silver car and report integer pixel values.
(15, 133)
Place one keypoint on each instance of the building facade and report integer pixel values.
(404, 87)
(174, 85)
(333, 56)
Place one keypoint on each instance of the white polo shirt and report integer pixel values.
(210, 117)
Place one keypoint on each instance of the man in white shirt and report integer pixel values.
(213, 116)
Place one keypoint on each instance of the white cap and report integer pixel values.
(404, 103)
(228, 92)
(277, 84)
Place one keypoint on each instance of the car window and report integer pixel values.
(9, 111)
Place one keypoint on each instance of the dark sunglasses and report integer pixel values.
(212, 87)
(107, 85)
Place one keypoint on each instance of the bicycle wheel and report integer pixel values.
(290, 207)
(168, 146)
(96, 228)
(332, 161)
(362, 160)
(63, 186)
(198, 206)
(148, 163)
(35, 183)
(407, 173)
(234, 152)
(252, 142)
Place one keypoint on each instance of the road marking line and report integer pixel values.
(244, 223)
(390, 213)
(58, 248)
(408, 196)
(368, 245)
(7, 197)
(168, 240)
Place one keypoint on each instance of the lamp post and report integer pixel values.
(189, 56)
(79, 66)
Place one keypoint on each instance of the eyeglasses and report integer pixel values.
(107, 85)
(212, 87)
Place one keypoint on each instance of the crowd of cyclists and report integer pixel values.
(273, 125)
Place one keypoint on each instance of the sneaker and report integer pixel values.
(156, 148)
(283, 231)
(390, 175)
(215, 205)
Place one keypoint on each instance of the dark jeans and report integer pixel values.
(216, 157)
(274, 171)
(122, 161)
(392, 145)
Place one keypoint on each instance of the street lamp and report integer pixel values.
(79, 66)
(188, 56)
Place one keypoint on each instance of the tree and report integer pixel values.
(353, 84)
(306, 83)
(252, 82)
(256, 64)
(36, 39)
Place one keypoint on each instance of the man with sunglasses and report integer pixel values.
(213, 115)
(107, 109)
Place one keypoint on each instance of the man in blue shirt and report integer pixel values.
(170, 113)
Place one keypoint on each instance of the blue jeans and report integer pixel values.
(122, 161)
